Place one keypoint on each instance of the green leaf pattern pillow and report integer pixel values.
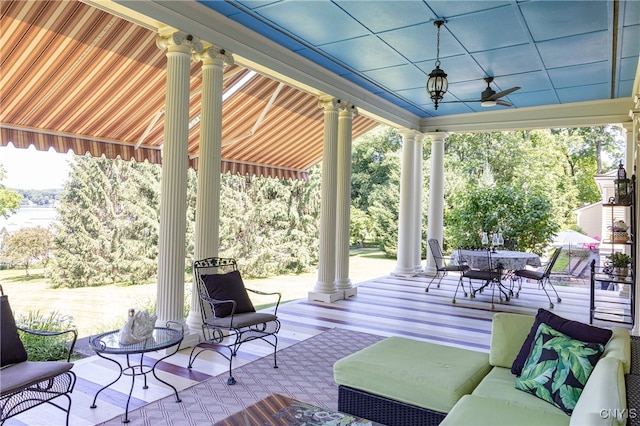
(558, 367)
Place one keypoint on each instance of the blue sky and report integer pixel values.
(31, 169)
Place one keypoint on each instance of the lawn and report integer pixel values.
(96, 309)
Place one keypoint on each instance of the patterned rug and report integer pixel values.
(305, 373)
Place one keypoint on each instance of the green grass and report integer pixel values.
(104, 308)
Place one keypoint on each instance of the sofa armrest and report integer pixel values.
(508, 333)
(603, 400)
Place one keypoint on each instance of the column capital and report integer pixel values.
(214, 53)
(329, 103)
(409, 133)
(180, 39)
(347, 108)
(437, 136)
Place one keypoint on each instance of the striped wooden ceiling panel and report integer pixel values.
(75, 77)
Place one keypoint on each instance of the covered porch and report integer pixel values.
(385, 306)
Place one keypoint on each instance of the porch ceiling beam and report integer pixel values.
(581, 114)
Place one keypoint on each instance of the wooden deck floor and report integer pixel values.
(384, 306)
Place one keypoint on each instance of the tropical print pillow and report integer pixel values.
(558, 367)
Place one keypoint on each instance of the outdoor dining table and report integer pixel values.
(510, 260)
(507, 261)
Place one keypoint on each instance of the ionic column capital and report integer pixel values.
(213, 54)
(329, 103)
(347, 108)
(180, 39)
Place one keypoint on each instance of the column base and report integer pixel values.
(407, 274)
(429, 271)
(191, 338)
(350, 292)
(326, 297)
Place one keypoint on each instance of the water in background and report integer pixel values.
(29, 217)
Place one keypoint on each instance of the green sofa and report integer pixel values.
(400, 381)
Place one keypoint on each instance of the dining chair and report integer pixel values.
(443, 266)
(541, 277)
(490, 277)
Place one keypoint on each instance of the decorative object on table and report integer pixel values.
(139, 327)
(622, 186)
(619, 232)
(620, 263)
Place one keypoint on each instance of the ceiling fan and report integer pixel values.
(489, 97)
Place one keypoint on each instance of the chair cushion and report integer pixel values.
(558, 368)
(574, 329)
(528, 273)
(11, 347)
(19, 376)
(241, 320)
(228, 286)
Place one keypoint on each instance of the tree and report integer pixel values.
(27, 246)
(524, 217)
(9, 200)
(108, 228)
(270, 225)
(375, 185)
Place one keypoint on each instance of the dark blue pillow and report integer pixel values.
(11, 348)
(574, 329)
(228, 286)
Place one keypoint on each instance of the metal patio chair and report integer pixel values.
(542, 277)
(490, 277)
(443, 266)
(229, 318)
(26, 384)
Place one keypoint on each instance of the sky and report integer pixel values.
(31, 169)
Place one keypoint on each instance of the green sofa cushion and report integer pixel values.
(500, 383)
(414, 372)
(479, 411)
(508, 332)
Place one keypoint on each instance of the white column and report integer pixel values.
(417, 226)
(343, 212)
(207, 229)
(173, 201)
(633, 142)
(435, 218)
(325, 289)
(406, 213)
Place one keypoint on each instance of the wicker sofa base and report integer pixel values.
(383, 410)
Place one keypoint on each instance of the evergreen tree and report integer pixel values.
(270, 225)
(108, 229)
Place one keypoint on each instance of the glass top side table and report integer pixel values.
(108, 344)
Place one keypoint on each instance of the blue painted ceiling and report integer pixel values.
(557, 51)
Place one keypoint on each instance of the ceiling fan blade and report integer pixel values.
(503, 93)
(503, 103)
(459, 102)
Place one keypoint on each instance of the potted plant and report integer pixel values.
(620, 262)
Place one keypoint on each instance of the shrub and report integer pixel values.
(41, 348)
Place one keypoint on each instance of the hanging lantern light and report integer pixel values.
(437, 83)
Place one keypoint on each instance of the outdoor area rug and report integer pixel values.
(305, 372)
